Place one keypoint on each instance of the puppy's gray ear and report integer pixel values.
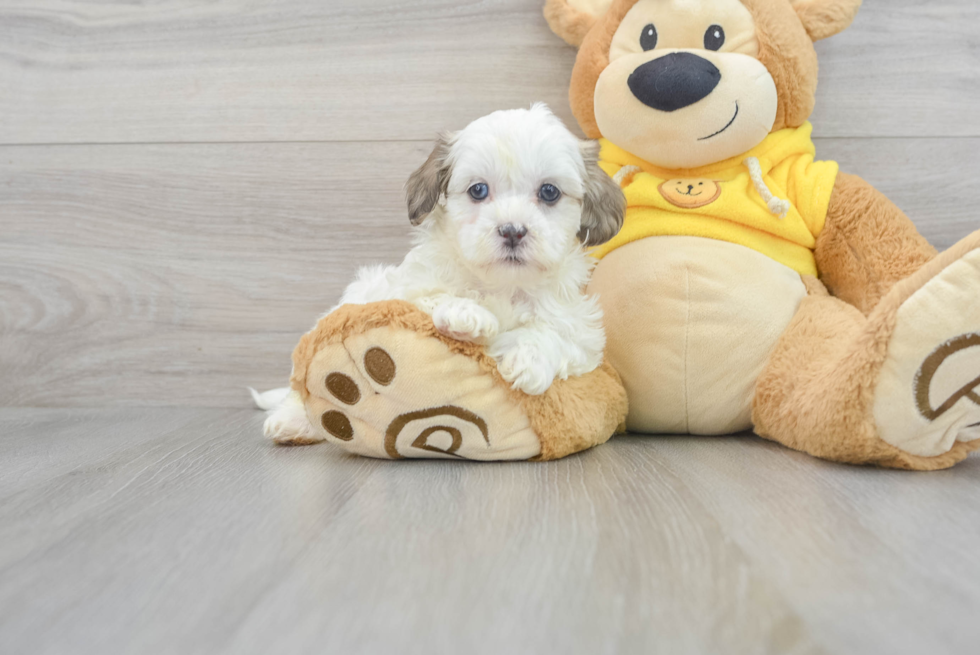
(603, 203)
(429, 182)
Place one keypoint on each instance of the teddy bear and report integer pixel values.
(753, 286)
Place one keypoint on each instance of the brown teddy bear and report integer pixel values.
(753, 287)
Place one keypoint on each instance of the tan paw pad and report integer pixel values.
(395, 394)
(928, 394)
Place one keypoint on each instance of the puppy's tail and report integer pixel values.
(269, 399)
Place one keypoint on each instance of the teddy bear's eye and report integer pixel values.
(714, 38)
(648, 39)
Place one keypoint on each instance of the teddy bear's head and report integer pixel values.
(686, 83)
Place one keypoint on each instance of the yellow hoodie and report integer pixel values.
(722, 201)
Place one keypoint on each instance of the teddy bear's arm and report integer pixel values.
(867, 244)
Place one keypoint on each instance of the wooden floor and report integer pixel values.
(185, 186)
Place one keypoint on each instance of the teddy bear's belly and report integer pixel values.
(690, 324)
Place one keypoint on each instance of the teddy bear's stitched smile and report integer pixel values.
(730, 123)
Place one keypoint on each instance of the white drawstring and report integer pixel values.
(625, 171)
(777, 206)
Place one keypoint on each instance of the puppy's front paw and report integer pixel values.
(464, 320)
(525, 367)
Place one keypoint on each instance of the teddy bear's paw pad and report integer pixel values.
(928, 394)
(393, 393)
(439, 431)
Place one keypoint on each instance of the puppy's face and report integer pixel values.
(519, 193)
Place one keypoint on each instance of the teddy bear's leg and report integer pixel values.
(381, 381)
(867, 244)
(394, 393)
(899, 387)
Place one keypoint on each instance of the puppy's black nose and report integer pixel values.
(512, 234)
(674, 81)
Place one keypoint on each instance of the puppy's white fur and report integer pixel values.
(526, 303)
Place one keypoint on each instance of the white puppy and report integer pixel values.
(503, 210)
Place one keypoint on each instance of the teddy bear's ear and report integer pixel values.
(824, 18)
(572, 19)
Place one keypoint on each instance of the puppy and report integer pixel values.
(504, 211)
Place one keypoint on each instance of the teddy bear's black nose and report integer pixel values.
(674, 81)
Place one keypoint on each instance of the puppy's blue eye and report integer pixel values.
(549, 193)
(478, 191)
